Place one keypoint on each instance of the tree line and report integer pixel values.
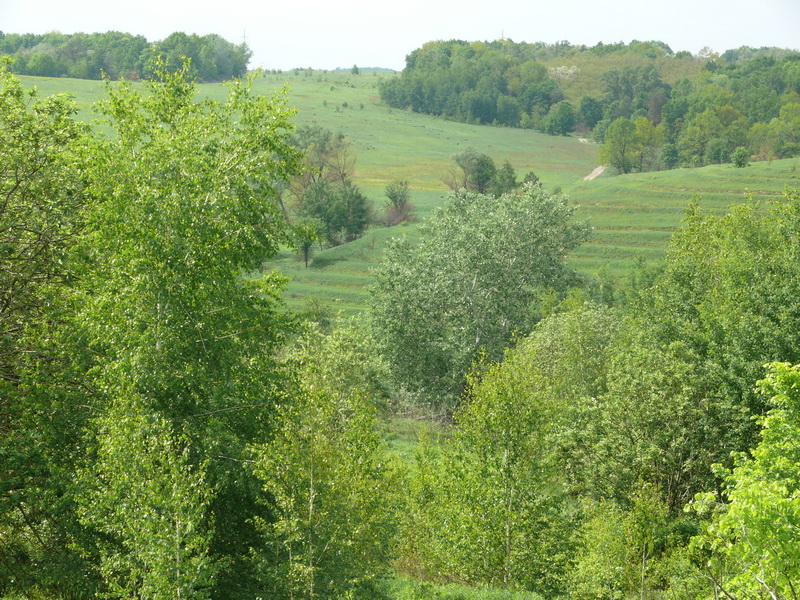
(170, 430)
(121, 55)
(653, 109)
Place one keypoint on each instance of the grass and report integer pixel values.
(633, 216)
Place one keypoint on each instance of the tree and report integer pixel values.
(327, 158)
(508, 111)
(398, 205)
(591, 111)
(43, 201)
(305, 235)
(619, 147)
(649, 139)
(343, 211)
(149, 499)
(562, 119)
(492, 505)
(163, 314)
(469, 284)
(325, 468)
(476, 171)
(505, 180)
(754, 532)
(503, 492)
(741, 157)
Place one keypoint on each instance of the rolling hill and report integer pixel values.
(632, 215)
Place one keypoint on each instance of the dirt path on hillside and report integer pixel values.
(595, 173)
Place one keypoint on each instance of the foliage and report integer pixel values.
(562, 119)
(754, 533)
(149, 501)
(341, 209)
(43, 198)
(153, 331)
(189, 209)
(590, 111)
(327, 158)
(492, 506)
(740, 157)
(122, 55)
(510, 523)
(476, 171)
(618, 147)
(409, 589)
(324, 190)
(472, 82)
(398, 205)
(306, 233)
(333, 523)
(631, 145)
(469, 284)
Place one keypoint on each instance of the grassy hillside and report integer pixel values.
(633, 215)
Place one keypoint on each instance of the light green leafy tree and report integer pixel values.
(150, 500)
(398, 204)
(469, 284)
(561, 119)
(306, 233)
(493, 504)
(754, 534)
(475, 171)
(42, 203)
(619, 554)
(505, 496)
(331, 525)
(619, 147)
(185, 209)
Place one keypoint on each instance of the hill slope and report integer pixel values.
(633, 215)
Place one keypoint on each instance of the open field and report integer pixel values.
(633, 215)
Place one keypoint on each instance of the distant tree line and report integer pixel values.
(660, 109)
(474, 83)
(750, 107)
(121, 55)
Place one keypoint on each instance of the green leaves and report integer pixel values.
(469, 284)
(332, 522)
(150, 499)
(755, 535)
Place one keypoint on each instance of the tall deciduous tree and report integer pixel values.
(619, 147)
(185, 209)
(325, 468)
(469, 284)
(475, 171)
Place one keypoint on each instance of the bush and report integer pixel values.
(741, 157)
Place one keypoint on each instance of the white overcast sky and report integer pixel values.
(326, 34)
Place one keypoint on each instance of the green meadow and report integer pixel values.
(632, 215)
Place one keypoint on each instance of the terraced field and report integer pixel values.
(634, 215)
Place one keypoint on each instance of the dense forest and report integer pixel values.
(653, 108)
(170, 429)
(121, 55)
